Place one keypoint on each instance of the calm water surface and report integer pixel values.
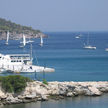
(76, 102)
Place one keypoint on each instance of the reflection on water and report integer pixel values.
(75, 102)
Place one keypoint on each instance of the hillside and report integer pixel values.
(16, 30)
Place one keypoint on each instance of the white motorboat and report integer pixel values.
(20, 63)
(89, 47)
(79, 36)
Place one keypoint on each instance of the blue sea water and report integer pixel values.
(65, 53)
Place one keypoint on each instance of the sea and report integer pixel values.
(65, 53)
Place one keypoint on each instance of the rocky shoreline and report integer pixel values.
(16, 36)
(37, 91)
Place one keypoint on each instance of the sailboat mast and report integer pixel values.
(31, 52)
(41, 40)
(24, 40)
(88, 39)
(7, 37)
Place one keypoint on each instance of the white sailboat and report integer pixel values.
(7, 38)
(24, 41)
(41, 41)
(88, 46)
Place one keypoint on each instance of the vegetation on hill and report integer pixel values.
(14, 83)
(13, 27)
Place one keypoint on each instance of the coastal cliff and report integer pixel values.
(37, 91)
(16, 30)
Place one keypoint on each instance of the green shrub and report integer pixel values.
(14, 83)
(45, 81)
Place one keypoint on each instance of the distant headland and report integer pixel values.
(16, 30)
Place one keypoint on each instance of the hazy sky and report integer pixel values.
(57, 15)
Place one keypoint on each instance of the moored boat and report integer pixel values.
(88, 46)
(20, 63)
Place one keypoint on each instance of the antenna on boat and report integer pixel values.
(31, 52)
(88, 39)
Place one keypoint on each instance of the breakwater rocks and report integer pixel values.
(37, 91)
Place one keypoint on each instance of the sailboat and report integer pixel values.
(88, 46)
(24, 41)
(7, 38)
(41, 41)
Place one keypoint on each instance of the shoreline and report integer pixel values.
(37, 91)
(15, 36)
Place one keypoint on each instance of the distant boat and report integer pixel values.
(77, 37)
(41, 41)
(106, 49)
(30, 41)
(7, 38)
(24, 41)
(88, 46)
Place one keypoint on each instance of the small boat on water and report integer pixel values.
(88, 46)
(106, 49)
(79, 36)
(30, 41)
(7, 38)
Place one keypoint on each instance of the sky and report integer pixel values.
(57, 15)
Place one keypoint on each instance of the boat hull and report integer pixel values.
(90, 47)
(106, 49)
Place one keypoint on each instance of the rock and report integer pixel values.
(2, 94)
(31, 96)
(81, 90)
(21, 97)
(62, 89)
(70, 94)
(44, 97)
(12, 100)
(39, 99)
(93, 91)
(103, 88)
